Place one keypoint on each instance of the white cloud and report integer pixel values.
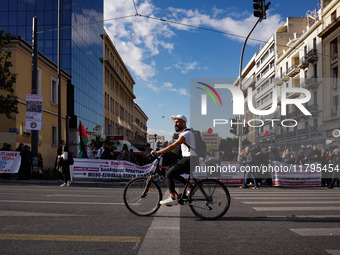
(235, 25)
(185, 67)
(153, 88)
(160, 132)
(138, 39)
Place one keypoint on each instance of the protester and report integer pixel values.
(132, 157)
(101, 150)
(335, 164)
(125, 154)
(40, 162)
(314, 155)
(20, 147)
(90, 151)
(300, 158)
(64, 162)
(250, 161)
(325, 174)
(233, 155)
(287, 157)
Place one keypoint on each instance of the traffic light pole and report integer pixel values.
(240, 75)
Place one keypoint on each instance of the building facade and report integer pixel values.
(140, 125)
(13, 131)
(211, 140)
(118, 96)
(81, 47)
(330, 36)
(300, 66)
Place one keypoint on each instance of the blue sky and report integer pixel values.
(162, 57)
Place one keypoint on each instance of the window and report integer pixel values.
(54, 91)
(334, 49)
(315, 123)
(333, 16)
(335, 103)
(335, 77)
(54, 136)
(315, 97)
(315, 70)
(314, 43)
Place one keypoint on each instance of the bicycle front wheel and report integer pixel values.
(142, 196)
(209, 199)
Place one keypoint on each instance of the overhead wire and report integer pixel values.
(180, 24)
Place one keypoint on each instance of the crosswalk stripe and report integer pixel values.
(302, 208)
(289, 202)
(285, 195)
(316, 231)
(71, 238)
(333, 252)
(306, 216)
(164, 230)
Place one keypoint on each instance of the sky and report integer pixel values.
(163, 57)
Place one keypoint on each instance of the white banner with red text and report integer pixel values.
(290, 175)
(9, 162)
(107, 169)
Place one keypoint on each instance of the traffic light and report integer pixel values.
(246, 129)
(260, 8)
(233, 129)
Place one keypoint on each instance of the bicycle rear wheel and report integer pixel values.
(209, 199)
(142, 197)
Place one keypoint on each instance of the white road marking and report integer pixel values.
(316, 231)
(302, 208)
(163, 236)
(4, 213)
(333, 252)
(289, 202)
(59, 202)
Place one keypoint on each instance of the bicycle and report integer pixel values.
(208, 198)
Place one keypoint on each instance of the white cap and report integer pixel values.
(179, 117)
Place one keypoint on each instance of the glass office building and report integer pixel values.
(81, 46)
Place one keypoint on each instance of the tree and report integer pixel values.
(8, 101)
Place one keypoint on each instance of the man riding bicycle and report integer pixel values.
(187, 142)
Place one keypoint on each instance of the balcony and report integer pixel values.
(293, 70)
(334, 58)
(285, 76)
(279, 81)
(311, 83)
(303, 63)
(312, 55)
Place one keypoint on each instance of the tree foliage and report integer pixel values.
(8, 100)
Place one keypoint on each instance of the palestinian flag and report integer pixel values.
(82, 139)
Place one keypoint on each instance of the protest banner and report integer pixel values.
(107, 169)
(289, 175)
(9, 162)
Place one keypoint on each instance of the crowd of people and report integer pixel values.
(253, 155)
(26, 160)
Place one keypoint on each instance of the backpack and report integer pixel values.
(70, 159)
(201, 147)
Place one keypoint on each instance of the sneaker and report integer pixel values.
(63, 185)
(256, 187)
(243, 187)
(68, 183)
(169, 201)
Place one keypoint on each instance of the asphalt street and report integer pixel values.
(38, 218)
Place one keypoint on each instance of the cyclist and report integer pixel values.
(186, 140)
